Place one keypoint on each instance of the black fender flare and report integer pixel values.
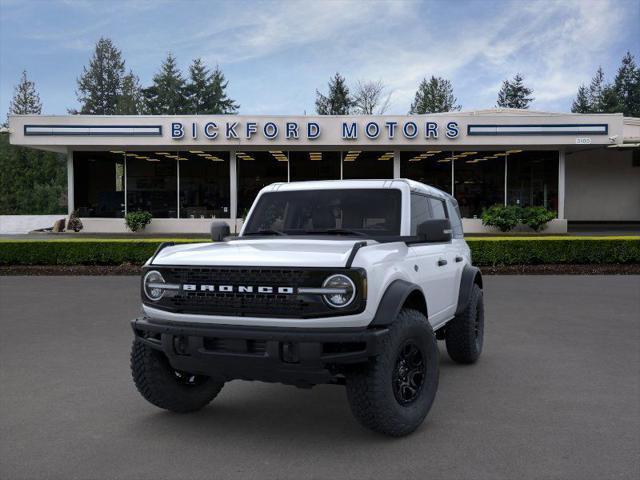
(470, 275)
(394, 298)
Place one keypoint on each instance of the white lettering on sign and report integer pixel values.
(583, 141)
(349, 130)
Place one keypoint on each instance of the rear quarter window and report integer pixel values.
(454, 218)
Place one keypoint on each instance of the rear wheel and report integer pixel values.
(393, 393)
(464, 335)
(166, 387)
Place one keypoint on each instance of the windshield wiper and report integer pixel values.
(337, 231)
(267, 231)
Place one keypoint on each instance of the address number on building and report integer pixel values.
(583, 141)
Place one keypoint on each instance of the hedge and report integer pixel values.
(540, 250)
(485, 250)
(80, 251)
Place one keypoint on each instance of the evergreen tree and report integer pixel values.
(206, 91)
(31, 181)
(167, 95)
(25, 99)
(627, 86)
(100, 85)
(196, 89)
(610, 101)
(219, 102)
(581, 104)
(338, 101)
(514, 94)
(433, 96)
(596, 91)
(130, 101)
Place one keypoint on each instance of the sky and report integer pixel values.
(275, 54)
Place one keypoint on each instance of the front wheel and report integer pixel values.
(167, 388)
(393, 393)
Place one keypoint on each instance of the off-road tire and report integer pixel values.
(464, 335)
(371, 387)
(162, 386)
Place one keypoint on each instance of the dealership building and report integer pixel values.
(187, 170)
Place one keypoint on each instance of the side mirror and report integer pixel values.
(436, 231)
(219, 230)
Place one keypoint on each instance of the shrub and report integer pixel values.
(74, 223)
(137, 220)
(76, 251)
(485, 251)
(537, 217)
(564, 250)
(504, 218)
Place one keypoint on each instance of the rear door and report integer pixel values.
(450, 271)
(435, 262)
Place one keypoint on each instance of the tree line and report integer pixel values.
(106, 88)
(33, 181)
(621, 95)
(435, 95)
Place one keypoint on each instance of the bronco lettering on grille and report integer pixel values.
(192, 287)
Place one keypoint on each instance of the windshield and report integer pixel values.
(360, 212)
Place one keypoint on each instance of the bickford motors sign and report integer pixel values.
(232, 131)
(295, 130)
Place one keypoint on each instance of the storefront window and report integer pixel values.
(431, 167)
(152, 183)
(257, 170)
(99, 184)
(204, 184)
(532, 178)
(314, 166)
(363, 164)
(479, 180)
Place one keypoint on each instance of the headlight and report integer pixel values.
(344, 291)
(153, 285)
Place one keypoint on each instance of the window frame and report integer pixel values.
(430, 197)
(248, 227)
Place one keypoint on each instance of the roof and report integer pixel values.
(524, 112)
(354, 184)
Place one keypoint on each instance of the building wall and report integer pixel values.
(602, 185)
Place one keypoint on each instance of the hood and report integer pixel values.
(271, 252)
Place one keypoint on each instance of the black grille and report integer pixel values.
(253, 304)
(245, 276)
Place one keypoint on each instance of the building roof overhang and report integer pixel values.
(478, 128)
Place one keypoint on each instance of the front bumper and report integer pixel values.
(296, 356)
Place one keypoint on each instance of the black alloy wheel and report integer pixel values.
(408, 374)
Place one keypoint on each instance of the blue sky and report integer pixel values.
(276, 53)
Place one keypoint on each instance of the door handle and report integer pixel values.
(458, 259)
(442, 262)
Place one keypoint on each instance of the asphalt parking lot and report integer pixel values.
(556, 394)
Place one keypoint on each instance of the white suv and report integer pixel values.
(343, 282)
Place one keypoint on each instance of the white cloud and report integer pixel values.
(556, 45)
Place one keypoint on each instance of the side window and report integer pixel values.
(420, 211)
(437, 207)
(454, 217)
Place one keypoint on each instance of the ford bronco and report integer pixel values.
(346, 282)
